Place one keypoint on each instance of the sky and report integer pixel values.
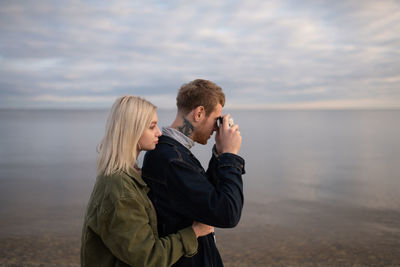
(283, 54)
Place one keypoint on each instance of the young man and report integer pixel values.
(180, 189)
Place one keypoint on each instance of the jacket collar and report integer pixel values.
(171, 141)
(136, 177)
(178, 136)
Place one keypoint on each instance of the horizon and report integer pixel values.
(225, 108)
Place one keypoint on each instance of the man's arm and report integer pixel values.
(214, 171)
(197, 198)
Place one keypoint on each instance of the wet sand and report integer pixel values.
(41, 224)
(261, 245)
(312, 235)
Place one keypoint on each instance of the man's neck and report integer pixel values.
(178, 136)
(184, 126)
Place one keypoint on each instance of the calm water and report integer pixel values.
(322, 187)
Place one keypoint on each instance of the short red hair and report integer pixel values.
(199, 93)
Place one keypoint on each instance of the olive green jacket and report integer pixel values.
(120, 227)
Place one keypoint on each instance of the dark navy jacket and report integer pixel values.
(182, 192)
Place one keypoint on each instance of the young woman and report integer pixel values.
(120, 225)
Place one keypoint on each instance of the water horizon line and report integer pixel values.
(66, 108)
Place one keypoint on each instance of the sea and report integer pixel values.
(321, 188)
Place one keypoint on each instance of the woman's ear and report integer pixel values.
(199, 114)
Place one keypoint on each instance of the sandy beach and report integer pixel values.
(265, 245)
(271, 234)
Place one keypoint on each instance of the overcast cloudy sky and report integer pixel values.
(269, 54)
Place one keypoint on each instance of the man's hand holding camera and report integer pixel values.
(227, 138)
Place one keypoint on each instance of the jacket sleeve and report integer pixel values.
(217, 201)
(129, 236)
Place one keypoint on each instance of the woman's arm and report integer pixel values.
(126, 231)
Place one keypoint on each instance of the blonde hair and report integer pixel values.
(128, 118)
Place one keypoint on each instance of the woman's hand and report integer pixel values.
(201, 229)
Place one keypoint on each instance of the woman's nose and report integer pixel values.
(158, 132)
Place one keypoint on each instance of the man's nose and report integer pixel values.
(215, 127)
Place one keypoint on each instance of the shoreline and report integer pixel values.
(257, 241)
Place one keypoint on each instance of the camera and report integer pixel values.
(219, 122)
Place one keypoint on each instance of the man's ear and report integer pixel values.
(199, 114)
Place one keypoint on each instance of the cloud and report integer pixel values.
(268, 53)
